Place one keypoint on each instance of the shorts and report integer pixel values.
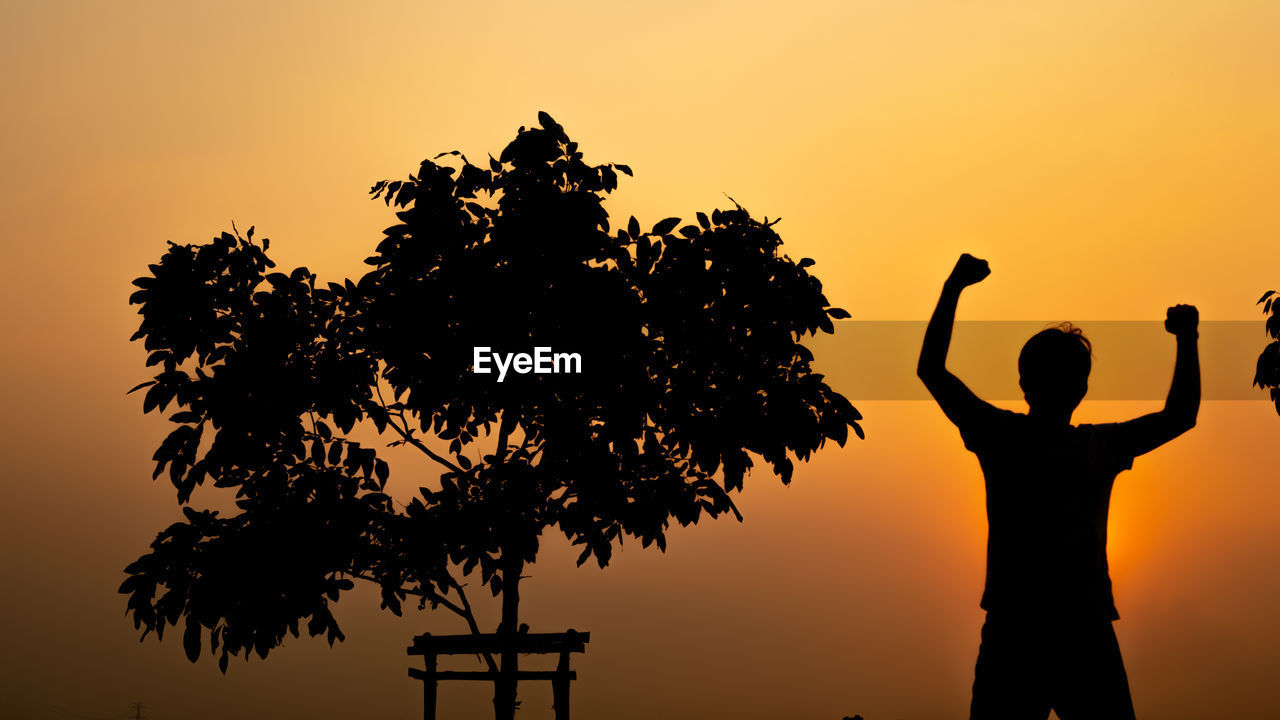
(1029, 666)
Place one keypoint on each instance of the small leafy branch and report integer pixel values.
(1267, 375)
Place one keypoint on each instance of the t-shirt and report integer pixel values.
(1048, 492)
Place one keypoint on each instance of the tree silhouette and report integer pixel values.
(1267, 375)
(692, 363)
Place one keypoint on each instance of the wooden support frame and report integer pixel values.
(563, 645)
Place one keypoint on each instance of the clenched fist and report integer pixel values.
(1182, 320)
(968, 271)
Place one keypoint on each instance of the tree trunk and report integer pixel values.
(504, 696)
(504, 691)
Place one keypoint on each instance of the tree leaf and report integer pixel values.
(665, 226)
(139, 386)
(191, 639)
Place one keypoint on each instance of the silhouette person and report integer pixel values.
(1048, 641)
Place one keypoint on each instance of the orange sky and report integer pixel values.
(1109, 158)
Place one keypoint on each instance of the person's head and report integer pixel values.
(1053, 369)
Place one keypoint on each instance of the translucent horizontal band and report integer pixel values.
(1132, 359)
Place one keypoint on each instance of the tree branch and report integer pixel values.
(428, 594)
(504, 432)
(407, 435)
(471, 622)
(464, 611)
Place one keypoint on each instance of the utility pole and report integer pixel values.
(137, 711)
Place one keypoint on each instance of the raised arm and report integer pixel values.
(957, 401)
(1149, 432)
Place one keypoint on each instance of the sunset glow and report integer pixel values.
(1109, 159)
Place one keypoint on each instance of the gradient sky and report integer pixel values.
(1109, 159)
